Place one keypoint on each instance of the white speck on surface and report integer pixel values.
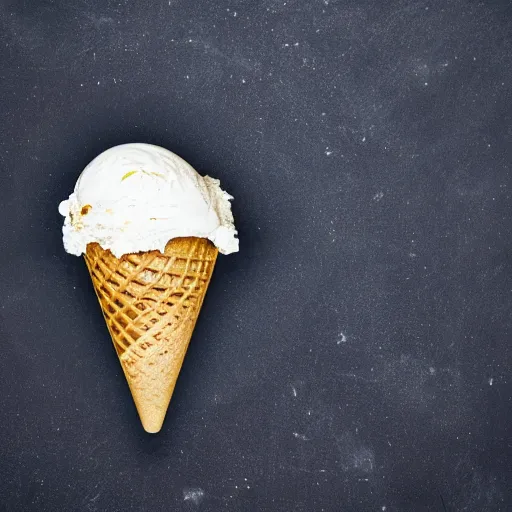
(426, 83)
(491, 380)
(296, 44)
(412, 255)
(383, 508)
(302, 437)
(195, 495)
(341, 338)
(378, 196)
(92, 500)
(98, 82)
(294, 391)
(432, 370)
(81, 85)
(363, 139)
(243, 80)
(328, 151)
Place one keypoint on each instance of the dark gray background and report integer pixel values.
(355, 355)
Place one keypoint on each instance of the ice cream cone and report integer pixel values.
(151, 301)
(150, 228)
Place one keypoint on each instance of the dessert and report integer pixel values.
(150, 228)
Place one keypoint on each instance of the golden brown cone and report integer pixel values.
(151, 301)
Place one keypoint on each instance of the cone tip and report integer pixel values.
(152, 423)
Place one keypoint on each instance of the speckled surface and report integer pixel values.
(355, 355)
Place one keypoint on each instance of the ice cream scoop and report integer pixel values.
(137, 197)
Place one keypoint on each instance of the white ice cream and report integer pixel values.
(136, 197)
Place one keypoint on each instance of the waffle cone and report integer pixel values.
(151, 302)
